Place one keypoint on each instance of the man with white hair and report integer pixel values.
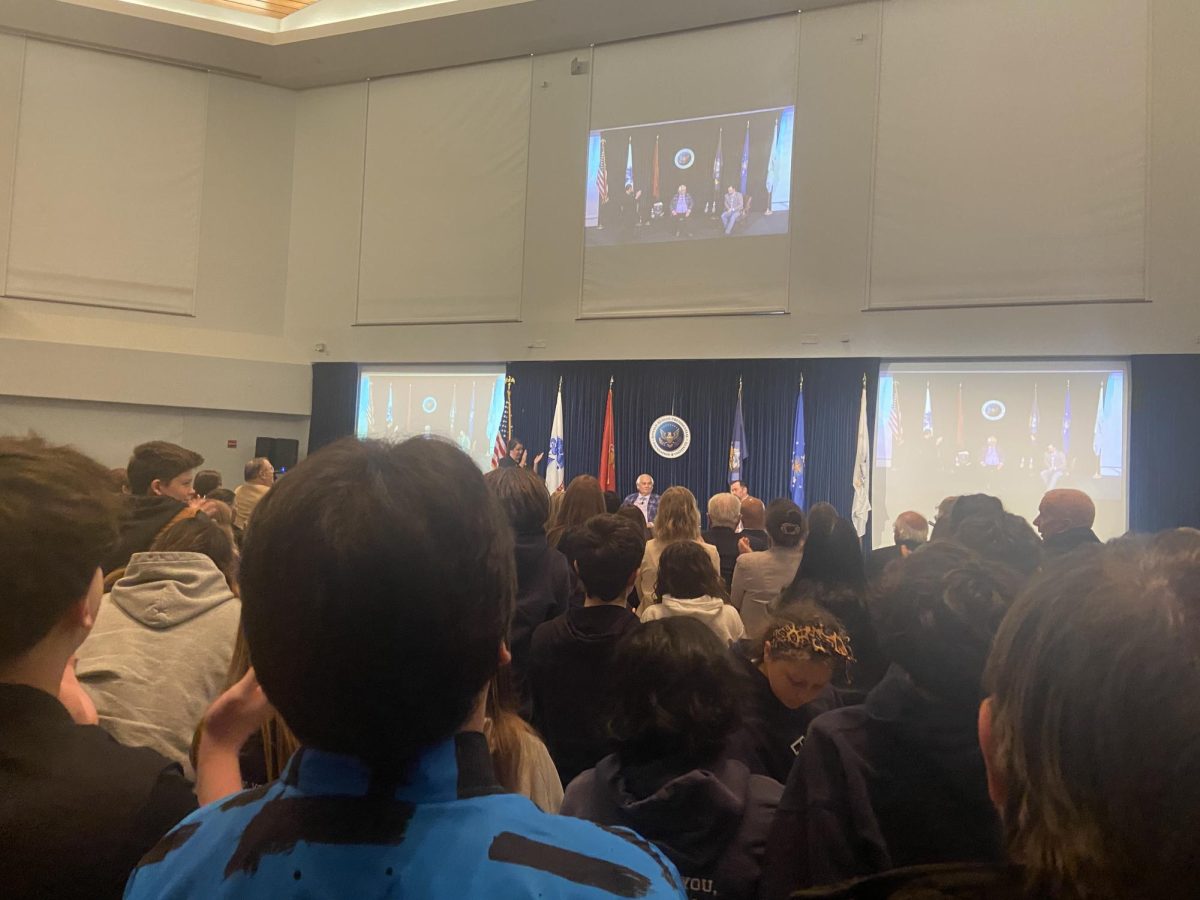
(645, 499)
(909, 531)
(724, 515)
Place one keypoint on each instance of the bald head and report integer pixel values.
(1064, 509)
(754, 514)
(911, 526)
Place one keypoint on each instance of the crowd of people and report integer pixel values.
(386, 674)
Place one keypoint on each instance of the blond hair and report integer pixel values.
(678, 517)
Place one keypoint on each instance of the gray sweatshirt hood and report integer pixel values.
(162, 590)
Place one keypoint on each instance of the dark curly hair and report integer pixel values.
(677, 694)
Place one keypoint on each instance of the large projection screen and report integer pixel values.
(689, 176)
(463, 404)
(1011, 429)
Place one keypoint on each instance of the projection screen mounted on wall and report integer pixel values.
(689, 172)
(1011, 429)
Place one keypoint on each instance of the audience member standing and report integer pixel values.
(899, 780)
(668, 779)
(1065, 518)
(789, 668)
(678, 519)
(160, 488)
(687, 586)
(375, 627)
(754, 524)
(832, 575)
(259, 476)
(523, 764)
(760, 578)
(909, 531)
(724, 515)
(160, 650)
(206, 481)
(543, 579)
(581, 500)
(570, 658)
(77, 809)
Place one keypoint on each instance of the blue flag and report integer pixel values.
(388, 415)
(738, 451)
(1066, 434)
(797, 481)
(629, 164)
(745, 157)
(927, 418)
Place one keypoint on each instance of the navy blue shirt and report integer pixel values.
(330, 829)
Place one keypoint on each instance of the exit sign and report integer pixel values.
(231, 444)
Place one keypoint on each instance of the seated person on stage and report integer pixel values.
(688, 586)
(570, 657)
(735, 206)
(1090, 736)
(724, 515)
(669, 779)
(900, 780)
(77, 809)
(396, 600)
(681, 211)
(1056, 467)
(754, 525)
(993, 456)
(644, 498)
(160, 488)
(909, 531)
(1065, 518)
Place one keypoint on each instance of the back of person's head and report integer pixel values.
(724, 511)
(1007, 539)
(219, 511)
(254, 468)
(378, 584)
(970, 505)
(206, 481)
(834, 556)
(1065, 509)
(581, 500)
(821, 517)
(911, 527)
(159, 461)
(58, 520)
(936, 615)
(201, 533)
(1092, 731)
(635, 516)
(685, 572)
(612, 501)
(754, 514)
(608, 551)
(522, 496)
(678, 517)
(941, 521)
(676, 694)
(223, 495)
(785, 523)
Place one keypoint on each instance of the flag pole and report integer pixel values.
(509, 381)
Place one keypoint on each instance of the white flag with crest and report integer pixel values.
(556, 460)
(862, 471)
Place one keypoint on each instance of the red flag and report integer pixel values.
(608, 449)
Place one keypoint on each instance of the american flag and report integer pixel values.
(895, 425)
(602, 175)
(500, 448)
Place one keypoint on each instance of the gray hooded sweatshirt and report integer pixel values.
(160, 650)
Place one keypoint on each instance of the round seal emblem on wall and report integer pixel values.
(670, 436)
(684, 158)
(993, 410)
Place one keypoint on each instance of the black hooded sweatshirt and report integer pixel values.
(712, 822)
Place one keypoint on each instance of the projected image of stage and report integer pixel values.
(1011, 429)
(706, 178)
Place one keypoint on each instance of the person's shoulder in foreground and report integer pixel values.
(326, 830)
(951, 881)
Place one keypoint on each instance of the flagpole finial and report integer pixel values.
(739, 384)
(801, 381)
(560, 384)
(864, 381)
(610, 382)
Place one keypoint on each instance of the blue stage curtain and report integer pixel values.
(703, 393)
(1164, 434)
(334, 403)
